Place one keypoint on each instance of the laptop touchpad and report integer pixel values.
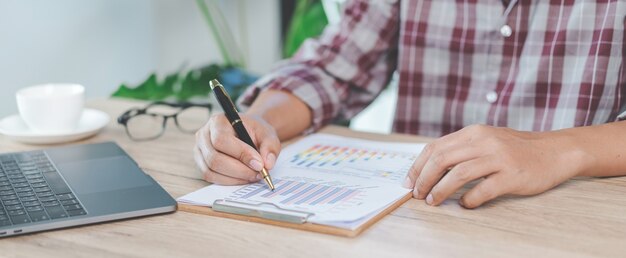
(103, 175)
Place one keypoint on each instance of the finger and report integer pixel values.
(485, 191)
(217, 178)
(444, 142)
(199, 159)
(223, 139)
(269, 147)
(266, 140)
(438, 164)
(460, 175)
(212, 176)
(229, 166)
(201, 139)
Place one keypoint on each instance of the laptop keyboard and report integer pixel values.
(32, 190)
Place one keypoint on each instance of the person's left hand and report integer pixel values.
(511, 162)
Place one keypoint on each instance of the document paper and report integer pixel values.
(342, 181)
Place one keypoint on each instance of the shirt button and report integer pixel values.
(506, 31)
(491, 97)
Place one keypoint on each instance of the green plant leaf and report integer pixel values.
(309, 20)
(196, 82)
(150, 89)
(186, 85)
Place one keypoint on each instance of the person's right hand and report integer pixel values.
(226, 160)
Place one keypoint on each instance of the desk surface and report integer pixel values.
(582, 217)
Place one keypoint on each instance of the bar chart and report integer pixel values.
(366, 163)
(339, 181)
(298, 193)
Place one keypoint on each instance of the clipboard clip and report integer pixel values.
(261, 210)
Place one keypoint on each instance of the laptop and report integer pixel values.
(71, 186)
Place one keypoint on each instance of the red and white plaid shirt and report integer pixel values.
(541, 65)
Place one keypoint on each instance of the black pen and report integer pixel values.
(233, 117)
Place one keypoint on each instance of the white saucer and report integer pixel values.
(91, 122)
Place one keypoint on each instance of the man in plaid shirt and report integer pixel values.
(525, 94)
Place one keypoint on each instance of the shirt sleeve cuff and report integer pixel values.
(311, 92)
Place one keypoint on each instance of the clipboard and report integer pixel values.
(262, 213)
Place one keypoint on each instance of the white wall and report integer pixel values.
(102, 43)
(184, 36)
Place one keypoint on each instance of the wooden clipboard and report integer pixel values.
(324, 229)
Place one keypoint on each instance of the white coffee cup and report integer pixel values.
(51, 108)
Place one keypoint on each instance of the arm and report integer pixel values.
(336, 75)
(603, 147)
(286, 113)
(514, 162)
(343, 70)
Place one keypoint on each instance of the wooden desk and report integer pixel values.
(583, 217)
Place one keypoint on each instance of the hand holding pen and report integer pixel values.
(227, 160)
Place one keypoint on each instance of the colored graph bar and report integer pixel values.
(332, 155)
(371, 156)
(322, 155)
(329, 155)
(336, 156)
(298, 194)
(363, 152)
(280, 188)
(350, 195)
(332, 197)
(320, 194)
(312, 195)
(295, 187)
(347, 155)
(328, 159)
(261, 188)
(343, 196)
(306, 194)
(326, 196)
(306, 153)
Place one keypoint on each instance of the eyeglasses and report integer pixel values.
(149, 123)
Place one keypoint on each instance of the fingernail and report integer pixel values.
(429, 199)
(271, 158)
(259, 177)
(407, 183)
(256, 165)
